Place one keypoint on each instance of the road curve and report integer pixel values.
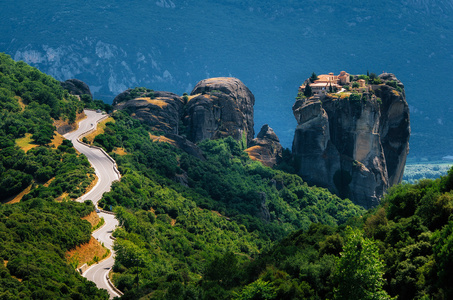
(105, 171)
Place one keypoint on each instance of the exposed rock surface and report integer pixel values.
(161, 110)
(220, 107)
(217, 108)
(265, 147)
(76, 87)
(356, 149)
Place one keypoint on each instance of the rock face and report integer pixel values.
(220, 107)
(266, 147)
(217, 108)
(355, 147)
(161, 110)
(76, 87)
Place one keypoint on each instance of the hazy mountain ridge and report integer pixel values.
(95, 59)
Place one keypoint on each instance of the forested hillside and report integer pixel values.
(403, 246)
(220, 226)
(37, 167)
(228, 207)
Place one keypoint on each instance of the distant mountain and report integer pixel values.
(272, 46)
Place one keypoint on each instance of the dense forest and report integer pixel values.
(227, 204)
(36, 233)
(220, 226)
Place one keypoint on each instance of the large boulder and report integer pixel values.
(218, 108)
(266, 147)
(355, 147)
(161, 110)
(76, 87)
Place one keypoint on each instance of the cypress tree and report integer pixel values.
(308, 91)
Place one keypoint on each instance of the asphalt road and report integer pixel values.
(103, 166)
(106, 174)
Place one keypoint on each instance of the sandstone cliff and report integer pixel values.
(354, 143)
(217, 108)
(161, 110)
(220, 107)
(266, 147)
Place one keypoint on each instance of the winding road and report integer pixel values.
(106, 172)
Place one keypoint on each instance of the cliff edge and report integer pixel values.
(352, 135)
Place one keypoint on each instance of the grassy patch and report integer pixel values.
(99, 130)
(21, 102)
(190, 97)
(64, 196)
(18, 197)
(49, 182)
(120, 151)
(93, 218)
(99, 224)
(396, 93)
(86, 253)
(162, 139)
(26, 143)
(57, 140)
(156, 102)
(254, 152)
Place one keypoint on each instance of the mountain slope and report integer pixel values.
(36, 233)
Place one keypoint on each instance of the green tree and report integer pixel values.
(355, 97)
(308, 91)
(313, 77)
(359, 270)
(256, 290)
(443, 254)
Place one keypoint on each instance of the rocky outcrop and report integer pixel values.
(217, 108)
(354, 145)
(161, 110)
(220, 107)
(394, 127)
(266, 147)
(76, 87)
